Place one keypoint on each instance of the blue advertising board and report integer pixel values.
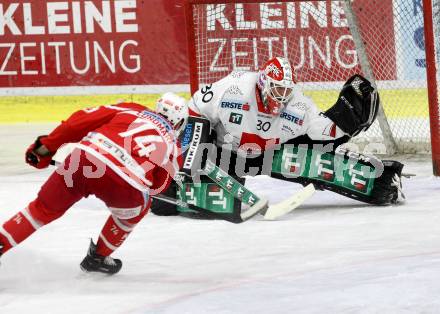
(411, 39)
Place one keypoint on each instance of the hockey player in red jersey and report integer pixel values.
(124, 154)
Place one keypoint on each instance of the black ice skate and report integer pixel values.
(97, 263)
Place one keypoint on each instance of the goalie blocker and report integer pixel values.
(191, 186)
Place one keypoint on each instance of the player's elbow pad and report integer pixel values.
(357, 105)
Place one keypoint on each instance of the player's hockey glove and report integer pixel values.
(94, 262)
(388, 187)
(356, 107)
(37, 155)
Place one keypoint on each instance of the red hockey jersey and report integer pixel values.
(136, 143)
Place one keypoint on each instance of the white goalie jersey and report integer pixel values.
(237, 114)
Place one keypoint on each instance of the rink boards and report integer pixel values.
(398, 103)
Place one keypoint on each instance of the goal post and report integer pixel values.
(432, 49)
(394, 43)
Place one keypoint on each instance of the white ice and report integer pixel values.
(331, 255)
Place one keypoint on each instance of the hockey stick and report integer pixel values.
(177, 202)
(272, 212)
(257, 204)
(224, 180)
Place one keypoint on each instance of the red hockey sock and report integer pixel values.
(113, 234)
(17, 229)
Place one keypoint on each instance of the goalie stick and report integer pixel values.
(273, 212)
(257, 204)
(289, 204)
(258, 207)
(210, 214)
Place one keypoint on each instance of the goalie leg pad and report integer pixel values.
(360, 177)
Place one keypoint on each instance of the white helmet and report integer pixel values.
(276, 83)
(174, 109)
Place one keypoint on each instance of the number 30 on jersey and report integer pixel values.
(263, 126)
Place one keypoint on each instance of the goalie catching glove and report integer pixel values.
(357, 106)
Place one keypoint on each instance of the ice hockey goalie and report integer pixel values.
(253, 113)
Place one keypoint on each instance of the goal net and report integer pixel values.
(391, 42)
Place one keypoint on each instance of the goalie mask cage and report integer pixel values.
(394, 43)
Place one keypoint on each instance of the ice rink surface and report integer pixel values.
(331, 255)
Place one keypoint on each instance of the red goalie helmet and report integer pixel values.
(276, 84)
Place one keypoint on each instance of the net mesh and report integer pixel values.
(316, 37)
